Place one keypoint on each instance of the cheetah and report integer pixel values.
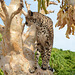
(44, 35)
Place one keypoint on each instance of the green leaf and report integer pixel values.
(1, 72)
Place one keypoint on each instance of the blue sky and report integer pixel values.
(60, 40)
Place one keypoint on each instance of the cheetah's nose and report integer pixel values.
(26, 22)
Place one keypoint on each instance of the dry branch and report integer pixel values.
(27, 5)
(4, 8)
(51, 2)
(18, 10)
(2, 16)
(24, 13)
(49, 11)
(23, 25)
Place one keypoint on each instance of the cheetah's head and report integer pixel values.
(29, 21)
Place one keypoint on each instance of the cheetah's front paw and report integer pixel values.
(32, 70)
(43, 68)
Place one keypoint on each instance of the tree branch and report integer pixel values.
(28, 8)
(49, 11)
(23, 25)
(24, 13)
(18, 10)
(2, 17)
(51, 2)
(27, 5)
(4, 7)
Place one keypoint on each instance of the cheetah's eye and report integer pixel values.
(26, 22)
(3, 27)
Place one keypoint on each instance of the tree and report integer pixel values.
(17, 47)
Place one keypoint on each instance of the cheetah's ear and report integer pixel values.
(30, 13)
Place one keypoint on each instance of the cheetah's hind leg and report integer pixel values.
(33, 65)
(46, 53)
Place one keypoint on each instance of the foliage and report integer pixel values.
(43, 4)
(63, 62)
(1, 72)
(66, 16)
(0, 37)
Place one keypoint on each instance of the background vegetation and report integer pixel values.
(0, 37)
(63, 62)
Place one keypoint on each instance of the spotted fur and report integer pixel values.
(44, 26)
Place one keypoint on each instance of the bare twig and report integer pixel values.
(18, 10)
(27, 5)
(24, 13)
(4, 7)
(51, 2)
(49, 11)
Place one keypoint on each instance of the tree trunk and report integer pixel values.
(17, 49)
(19, 64)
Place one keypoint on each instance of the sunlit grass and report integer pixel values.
(63, 62)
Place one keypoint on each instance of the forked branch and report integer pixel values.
(4, 8)
(27, 5)
(28, 8)
(18, 10)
